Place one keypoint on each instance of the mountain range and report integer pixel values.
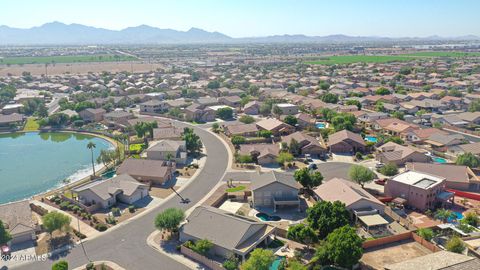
(78, 34)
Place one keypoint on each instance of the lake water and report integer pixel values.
(32, 163)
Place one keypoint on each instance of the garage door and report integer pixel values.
(21, 238)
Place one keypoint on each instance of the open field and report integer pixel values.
(65, 59)
(80, 68)
(348, 59)
(444, 54)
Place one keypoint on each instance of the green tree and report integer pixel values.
(277, 111)
(260, 259)
(324, 85)
(237, 140)
(394, 139)
(425, 233)
(60, 265)
(265, 109)
(470, 219)
(295, 265)
(444, 215)
(244, 159)
(360, 174)
(246, 119)
(382, 91)
(390, 169)
(325, 217)
(202, 246)
(215, 127)
(54, 221)
(343, 121)
(265, 133)
(354, 102)
(213, 84)
(4, 234)
(474, 106)
(398, 115)
(307, 178)
(169, 219)
(91, 145)
(192, 140)
(225, 113)
(284, 157)
(468, 159)
(456, 245)
(302, 233)
(291, 120)
(294, 147)
(329, 98)
(379, 107)
(343, 247)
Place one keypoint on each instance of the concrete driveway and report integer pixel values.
(21, 253)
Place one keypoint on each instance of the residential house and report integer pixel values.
(421, 135)
(354, 197)
(167, 133)
(198, 113)
(246, 130)
(456, 176)
(440, 142)
(105, 193)
(92, 115)
(420, 190)
(305, 120)
(168, 150)
(14, 119)
(308, 144)
(345, 141)
(252, 108)
(274, 189)
(19, 221)
(264, 154)
(232, 101)
(277, 127)
(286, 108)
(154, 106)
(119, 117)
(391, 152)
(441, 260)
(230, 234)
(148, 171)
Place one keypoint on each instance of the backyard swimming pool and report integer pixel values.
(276, 264)
(439, 160)
(267, 217)
(320, 125)
(458, 216)
(371, 139)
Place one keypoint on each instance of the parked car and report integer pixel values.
(379, 165)
(308, 158)
(381, 182)
(312, 166)
(5, 252)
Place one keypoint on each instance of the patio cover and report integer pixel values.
(399, 200)
(373, 220)
(445, 195)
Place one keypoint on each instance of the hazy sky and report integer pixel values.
(244, 18)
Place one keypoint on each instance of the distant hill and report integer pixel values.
(73, 34)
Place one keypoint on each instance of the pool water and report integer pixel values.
(458, 216)
(320, 125)
(439, 160)
(371, 139)
(267, 217)
(276, 264)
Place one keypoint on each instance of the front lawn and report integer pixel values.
(31, 124)
(235, 189)
(136, 148)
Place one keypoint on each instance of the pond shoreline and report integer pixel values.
(100, 168)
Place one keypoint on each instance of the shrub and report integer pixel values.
(425, 233)
(64, 205)
(60, 265)
(455, 244)
(390, 169)
(116, 211)
(101, 227)
(131, 208)
(90, 266)
(358, 155)
(110, 220)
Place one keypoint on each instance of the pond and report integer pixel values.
(32, 163)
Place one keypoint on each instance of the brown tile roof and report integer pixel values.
(344, 135)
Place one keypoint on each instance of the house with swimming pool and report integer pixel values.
(274, 189)
(230, 234)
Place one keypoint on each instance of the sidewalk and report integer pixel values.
(110, 264)
(169, 248)
(84, 228)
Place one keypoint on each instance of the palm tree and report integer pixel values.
(444, 215)
(91, 146)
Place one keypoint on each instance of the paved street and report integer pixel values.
(126, 245)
